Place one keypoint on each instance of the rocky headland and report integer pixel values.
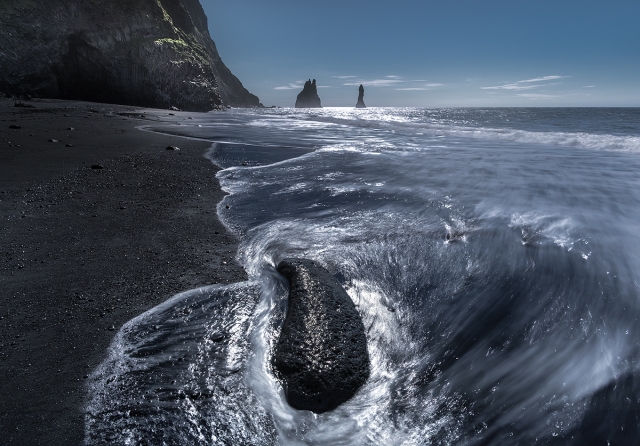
(308, 97)
(152, 53)
(321, 357)
(360, 103)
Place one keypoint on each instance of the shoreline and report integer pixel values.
(84, 250)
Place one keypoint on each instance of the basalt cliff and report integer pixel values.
(152, 53)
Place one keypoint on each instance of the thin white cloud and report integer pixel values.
(541, 79)
(536, 96)
(511, 87)
(518, 85)
(434, 85)
(295, 86)
(343, 77)
(393, 77)
(411, 89)
(589, 86)
(376, 83)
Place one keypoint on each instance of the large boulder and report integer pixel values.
(321, 357)
(308, 97)
(360, 103)
(153, 53)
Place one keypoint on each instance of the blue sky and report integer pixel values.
(434, 54)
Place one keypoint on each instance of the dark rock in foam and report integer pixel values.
(308, 97)
(321, 357)
(360, 103)
(152, 53)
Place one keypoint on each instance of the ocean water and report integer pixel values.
(493, 254)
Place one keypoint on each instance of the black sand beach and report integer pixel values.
(83, 250)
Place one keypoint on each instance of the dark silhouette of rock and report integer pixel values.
(321, 357)
(360, 103)
(308, 97)
(153, 53)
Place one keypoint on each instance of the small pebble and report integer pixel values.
(172, 148)
(68, 145)
(97, 166)
(53, 140)
(15, 127)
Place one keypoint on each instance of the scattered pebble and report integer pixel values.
(217, 337)
(70, 128)
(97, 166)
(172, 148)
(68, 145)
(15, 127)
(53, 140)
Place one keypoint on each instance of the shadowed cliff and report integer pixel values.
(152, 53)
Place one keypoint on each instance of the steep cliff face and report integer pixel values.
(154, 53)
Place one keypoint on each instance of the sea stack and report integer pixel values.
(308, 97)
(321, 357)
(150, 53)
(360, 103)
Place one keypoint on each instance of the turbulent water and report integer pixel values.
(493, 254)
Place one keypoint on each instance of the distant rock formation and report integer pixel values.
(153, 53)
(360, 103)
(321, 356)
(308, 97)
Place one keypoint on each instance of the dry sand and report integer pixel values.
(83, 250)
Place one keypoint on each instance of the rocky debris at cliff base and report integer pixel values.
(321, 357)
(308, 97)
(360, 103)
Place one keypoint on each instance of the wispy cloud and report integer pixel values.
(523, 84)
(394, 81)
(541, 79)
(298, 85)
(376, 83)
(343, 77)
(537, 96)
(589, 86)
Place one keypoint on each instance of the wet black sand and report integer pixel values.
(83, 250)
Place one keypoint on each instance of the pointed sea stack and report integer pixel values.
(360, 103)
(321, 357)
(308, 97)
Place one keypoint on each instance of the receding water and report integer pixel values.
(493, 254)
